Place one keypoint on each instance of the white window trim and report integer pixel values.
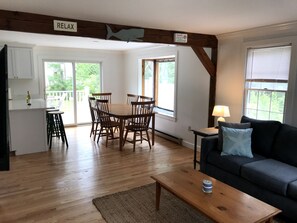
(161, 112)
(290, 103)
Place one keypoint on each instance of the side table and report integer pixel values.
(205, 132)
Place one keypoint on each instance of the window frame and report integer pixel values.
(73, 62)
(260, 45)
(156, 60)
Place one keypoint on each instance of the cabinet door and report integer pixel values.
(20, 63)
(23, 63)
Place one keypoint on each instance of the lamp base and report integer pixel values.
(221, 119)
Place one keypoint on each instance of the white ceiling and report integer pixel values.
(197, 16)
(20, 38)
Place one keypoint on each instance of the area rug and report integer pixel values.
(138, 205)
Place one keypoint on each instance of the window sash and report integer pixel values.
(265, 104)
(156, 82)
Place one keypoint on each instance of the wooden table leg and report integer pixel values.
(195, 151)
(158, 195)
(121, 133)
(153, 129)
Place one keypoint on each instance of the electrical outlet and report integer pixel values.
(189, 128)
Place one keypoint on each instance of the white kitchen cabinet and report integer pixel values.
(20, 63)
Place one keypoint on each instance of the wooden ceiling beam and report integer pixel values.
(44, 24)
(37, 23)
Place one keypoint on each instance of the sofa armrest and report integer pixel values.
(207, 144)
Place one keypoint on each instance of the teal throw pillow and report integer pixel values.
(237, 142)
(230, 125)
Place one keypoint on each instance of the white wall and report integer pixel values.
(192, 89)
(122, 74)
(231, 65)
(112, 70)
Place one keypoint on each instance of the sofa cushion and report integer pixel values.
(230, 164)
(292, 190)
(263, 135)
(237, 142)
(285, 145)
(230, 125)
(270, 174)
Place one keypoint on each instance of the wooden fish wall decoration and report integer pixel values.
(126, 34)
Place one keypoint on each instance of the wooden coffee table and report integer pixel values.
(224, 204)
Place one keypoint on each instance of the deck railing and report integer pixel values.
(67, 95)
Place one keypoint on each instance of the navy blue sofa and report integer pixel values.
(271, 175)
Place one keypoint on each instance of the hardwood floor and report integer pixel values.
(59, 185)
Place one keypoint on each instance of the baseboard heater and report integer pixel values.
(169, 137)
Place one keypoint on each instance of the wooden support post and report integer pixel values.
(212, 87)
(210, 65)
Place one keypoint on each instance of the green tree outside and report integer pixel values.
(87, 75)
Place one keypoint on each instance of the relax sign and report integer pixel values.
(65, 26)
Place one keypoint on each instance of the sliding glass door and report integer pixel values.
(68, 85)
(87, 81)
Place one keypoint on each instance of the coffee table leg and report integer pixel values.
(158, 194)
(270, 220)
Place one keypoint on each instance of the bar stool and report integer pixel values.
(48, 121)
(56, 127)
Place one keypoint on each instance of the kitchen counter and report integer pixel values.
(28, 126)
(22, 105)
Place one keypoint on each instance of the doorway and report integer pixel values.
(67, 87)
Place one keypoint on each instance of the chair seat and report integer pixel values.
(109, 124)
(136, 127)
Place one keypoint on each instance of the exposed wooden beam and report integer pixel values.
(36, 23)
(44, 24)
(210, 65)
(205, 60)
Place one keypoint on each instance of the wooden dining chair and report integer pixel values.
(145, 98)
(131, 97)
(103, 96)
(94, 116)
(107, 124)
(141, 117)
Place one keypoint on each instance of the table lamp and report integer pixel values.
(221, 111)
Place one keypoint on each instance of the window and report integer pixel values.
(266, 83)
(158, 81)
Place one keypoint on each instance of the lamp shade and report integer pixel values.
(221, 111)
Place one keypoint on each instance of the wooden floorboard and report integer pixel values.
(59, 185)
